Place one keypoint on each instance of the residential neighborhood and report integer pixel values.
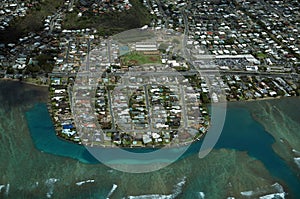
(131, 108)
(225, 50)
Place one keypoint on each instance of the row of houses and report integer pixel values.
(10, 10)
(99, 7)
(254, 87)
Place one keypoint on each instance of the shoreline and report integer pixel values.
(260, 99)
(174, 145)
(112, 146)
(24, 82)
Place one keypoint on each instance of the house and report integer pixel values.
(251, 68)
(146, 139)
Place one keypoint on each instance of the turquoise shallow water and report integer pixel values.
(240, 132)
(43, 135)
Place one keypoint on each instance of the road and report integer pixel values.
(183, 105)
(202, 72)
(87, 67)
(70, 5)
(113, 124)
(52, 22)
(163, 14)
(68, 50)
(148, 108)
(109, 51)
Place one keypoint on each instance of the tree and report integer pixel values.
(10, 71)
(33, 68)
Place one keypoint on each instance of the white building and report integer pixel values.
(146, 46)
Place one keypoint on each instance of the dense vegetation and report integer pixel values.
(106, 24)
(32, 22)
(112, 22)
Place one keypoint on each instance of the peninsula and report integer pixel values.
(150, 86)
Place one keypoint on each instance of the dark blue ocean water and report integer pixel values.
(241, 132)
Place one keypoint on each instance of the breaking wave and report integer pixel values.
(176, 191)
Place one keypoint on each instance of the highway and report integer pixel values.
(202, 72)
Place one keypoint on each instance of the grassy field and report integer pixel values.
(137, 58)
(110, 23)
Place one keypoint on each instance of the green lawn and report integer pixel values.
(261, 55)
(137, 58)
